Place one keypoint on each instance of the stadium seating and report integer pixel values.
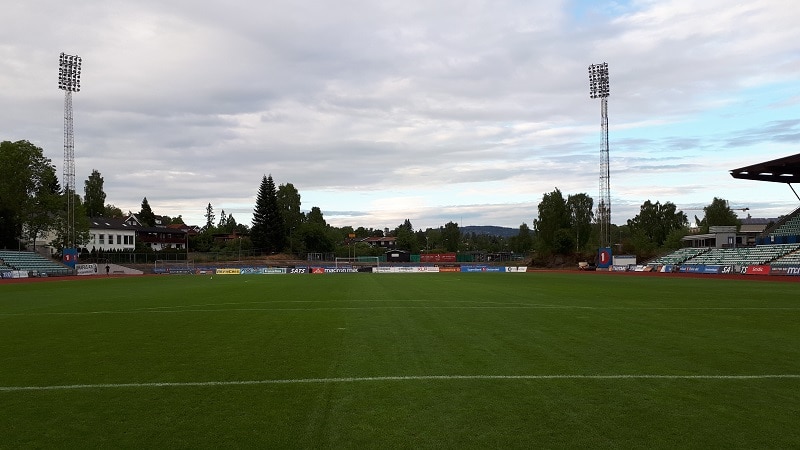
(792, 259)
(33, 262)
(744, 256)
(788, 228)
(678, 256)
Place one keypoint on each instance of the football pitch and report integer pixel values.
(400, 361)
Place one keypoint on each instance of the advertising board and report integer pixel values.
(437, 257)
(757, 270)
(785, 270)
(86, 269)
(482, 268)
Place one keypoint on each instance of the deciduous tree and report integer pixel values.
(451, 236)
(25, 173)
(112, 211)
(289, 206)
(655, 222)
(581, 214)
(718, 213)
(554, 215)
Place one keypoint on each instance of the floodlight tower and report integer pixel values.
(599, 88)
(69, 81)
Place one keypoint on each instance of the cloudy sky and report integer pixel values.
(436, 110)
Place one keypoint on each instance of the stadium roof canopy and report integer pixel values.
(781, 170)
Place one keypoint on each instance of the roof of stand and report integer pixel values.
(781, 170)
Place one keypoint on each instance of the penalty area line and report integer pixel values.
(391, 378)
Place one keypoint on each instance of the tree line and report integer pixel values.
(32, 201)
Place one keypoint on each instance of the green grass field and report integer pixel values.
(400, 361)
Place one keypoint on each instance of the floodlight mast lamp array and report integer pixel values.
(69, 81)
(599, 88)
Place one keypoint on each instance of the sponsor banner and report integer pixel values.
(228, 271)
(449, 269)
(521, 269)
(785, 270)
(297, 270)
(70, 257)
(204, 271)
(19, 274)
(340, 270)
(700, 268)
(757, 270)
(624, 260)
(262, 270)
(405, 269)
(619, 268)
(316, 270)
(5, 274)
(437, 257)
(604, 256)
(86, 269)
(482, 268)
(180, 271)
(727, 270)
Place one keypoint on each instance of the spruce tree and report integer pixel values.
(267, 233)
(209, 215)
(146, 215)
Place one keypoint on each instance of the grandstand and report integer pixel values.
(778, 245)
(33, 263)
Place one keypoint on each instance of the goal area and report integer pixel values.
(359, 261)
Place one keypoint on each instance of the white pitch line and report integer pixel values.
(393, 378)
(377, 307)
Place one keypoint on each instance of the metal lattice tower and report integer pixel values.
(599, 88)
(69, 80)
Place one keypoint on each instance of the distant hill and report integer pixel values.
(490, 230)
